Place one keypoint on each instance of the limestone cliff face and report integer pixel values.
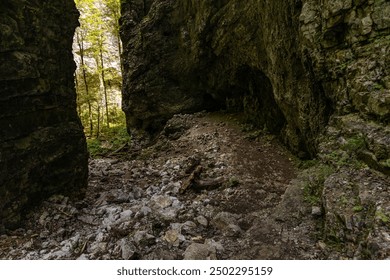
(186, 55)
(290, 65)
(42, 147)
(315, 72)
(349, 45)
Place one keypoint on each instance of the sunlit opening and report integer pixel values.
(98, 77)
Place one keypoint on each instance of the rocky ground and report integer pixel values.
(206, 189)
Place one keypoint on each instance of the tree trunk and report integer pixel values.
(98, 122)
(118, 38)
(104, 86)
(77, 96)
(80, 42)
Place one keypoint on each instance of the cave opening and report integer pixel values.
(252, 94)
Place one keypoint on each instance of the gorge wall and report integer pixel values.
(290, 65)
(42, 146)
(314, 72)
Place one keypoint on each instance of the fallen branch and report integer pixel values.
(198, 184)
(63, 212)
(118, 150)
(84, 246)
(191, 180)
(209, 184)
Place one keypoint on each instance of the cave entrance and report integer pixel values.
(98, 77)
(252, 94)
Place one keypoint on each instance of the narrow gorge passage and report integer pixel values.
(314, 73)
(140, 208)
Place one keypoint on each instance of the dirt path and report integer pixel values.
(204, 190)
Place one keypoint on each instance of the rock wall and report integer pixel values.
(315, 72)
(246, 55)
(289, 64)
(349, 43)
(42, 146)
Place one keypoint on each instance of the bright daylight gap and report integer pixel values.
(98, 77)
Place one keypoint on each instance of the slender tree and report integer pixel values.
(97, 50)
(80, 43)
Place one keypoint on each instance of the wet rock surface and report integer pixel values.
(134, 208)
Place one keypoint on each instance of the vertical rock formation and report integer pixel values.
(42, 146)
(289, 64)
(189, 55)
(349, 45)
(314, 72)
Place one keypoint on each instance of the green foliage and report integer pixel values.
(386, 163)
(315, 183)
(358, 208)
(381, 216)
(305, 164)
(378, 86)
(233, 182)
(347, 154)
(95, 147)
(338, 158)
(98, 76)
(355, 144)
(110, 140)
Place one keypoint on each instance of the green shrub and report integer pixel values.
(355, 144)
(110, 140)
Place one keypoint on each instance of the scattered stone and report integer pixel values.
(223, 220)
(232, 231)
(142, 238)
(198, 251)
(316, 211)
(189, 227)
(161, 201)
(141, 215)
(127, 249)
(125, 215)
(169, 214)
(98, 249)
(202, 221)
(173, 237)
(217, 245)
(143, 212)
(83, 257)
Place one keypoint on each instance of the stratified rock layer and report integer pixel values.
(42, 146)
